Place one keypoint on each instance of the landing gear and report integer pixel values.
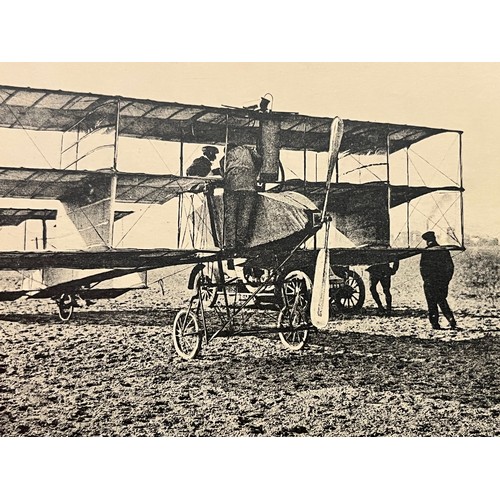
(65, 306)
(295, 286)
(205, 283)
(293, 319)
(186, 334)
(294, 327)
(347, 291)
(292, 301)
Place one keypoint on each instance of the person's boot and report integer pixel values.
(389, 307)
(451, 321)
(435, 322)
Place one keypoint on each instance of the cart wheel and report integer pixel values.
(65, 307)
(295, 327)
(348, 296)
(186, 335)
(207, 287)
(296, 286)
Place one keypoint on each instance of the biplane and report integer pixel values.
(94, 224)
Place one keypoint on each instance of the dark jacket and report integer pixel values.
(436, 265)
(378, 271)
(200, 167)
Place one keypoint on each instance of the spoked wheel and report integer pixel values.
(348, 296)
(207, 287)
(296, 289)
(294, 327)
(65, 307)
(186, 335)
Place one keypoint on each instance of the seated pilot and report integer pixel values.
(202, 166)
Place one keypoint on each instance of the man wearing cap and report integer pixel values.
(436, 269)
(202, 166)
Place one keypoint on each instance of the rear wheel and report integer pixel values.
(294, 327)
(186, 335)
(349, 295)
(65, 307)
(205, 284)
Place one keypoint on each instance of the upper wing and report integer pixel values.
(57, 110)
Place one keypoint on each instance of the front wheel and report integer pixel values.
(294, 327)
(295, 288)
(186, 335)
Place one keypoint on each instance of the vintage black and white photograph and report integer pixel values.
(247, 260)
(259, 250)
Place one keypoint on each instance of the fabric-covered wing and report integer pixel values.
(57, 110)
(369, 256)
(15, 216)
(54, 184)
(128, 259)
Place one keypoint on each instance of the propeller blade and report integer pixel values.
(336, 133)
(320, 298)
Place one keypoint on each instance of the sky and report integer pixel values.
(460, 96)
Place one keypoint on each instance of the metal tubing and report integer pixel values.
(408, 202)
(117, 135)
(61, 152)
(462, 224)
(77, 146)
(305, 157)
(305, 167)
(388, 153)
(114, 182)
(257, 290)
(181, 158)
(217, 243)
(181, 197)
(44, 234)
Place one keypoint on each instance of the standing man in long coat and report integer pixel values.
(436, 269)
(241, 171)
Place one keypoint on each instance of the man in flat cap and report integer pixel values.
(436, 269)
(202, 166)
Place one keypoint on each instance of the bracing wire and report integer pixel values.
(29, 136)
(363, 167)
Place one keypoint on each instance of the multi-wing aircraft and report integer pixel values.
(93, 225)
